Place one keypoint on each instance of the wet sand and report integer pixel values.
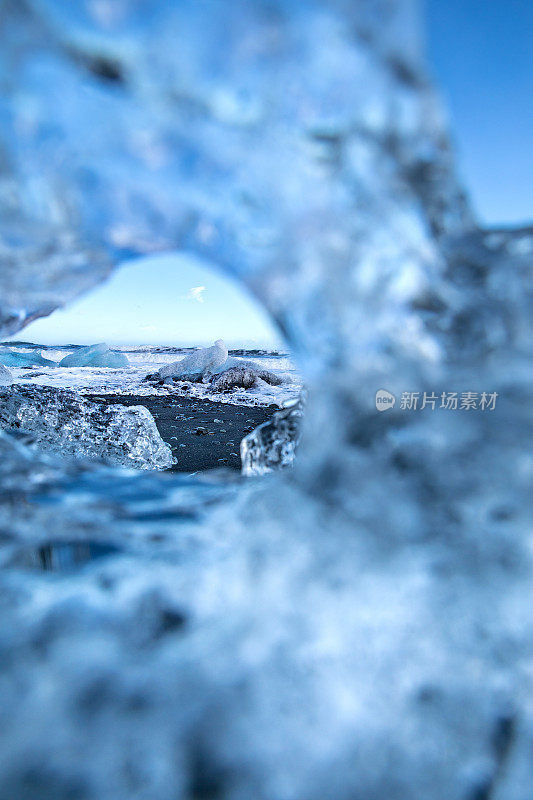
(179, 418)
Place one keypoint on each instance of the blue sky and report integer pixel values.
(481, 54)
(164, 299)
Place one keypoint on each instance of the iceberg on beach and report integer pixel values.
(6, 378)
(243, 375)
(213, 365)
(95, 355)
(13, 358)
(199, 364)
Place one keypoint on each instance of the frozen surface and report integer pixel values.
(95, 355)
(359, 626)
(64, 423)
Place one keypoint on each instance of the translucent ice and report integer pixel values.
(201, 363)
(360, 625)
(273, 444)
(64, 423)
(6, 378)
(95, 355)
(17, 358)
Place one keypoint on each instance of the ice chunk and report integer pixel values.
(201, 363)
(64, 422)
(273, 444)
(245, 363)
(6, 378)
(95, 355)
(15, 358)
(212, 364)
(234, 377)
(244, 377)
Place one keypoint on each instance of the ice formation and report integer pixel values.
(202, 363)
(213, 365)
(242, 376)
(6, 378)
(64, 423)
(95, 355)
(360, 625)
(273, 444)
(18, 358)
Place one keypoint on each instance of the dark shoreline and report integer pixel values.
(178, 418)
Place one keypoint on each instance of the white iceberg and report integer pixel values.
(14, 358)
(213, 365)
(6, 378)
(95, 355)
(202, 363)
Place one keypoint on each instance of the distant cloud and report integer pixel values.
(196, 293)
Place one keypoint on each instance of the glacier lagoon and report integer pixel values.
(360, 625)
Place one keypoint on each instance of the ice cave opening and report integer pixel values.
(169, 365)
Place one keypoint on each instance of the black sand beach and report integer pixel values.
(182, 421)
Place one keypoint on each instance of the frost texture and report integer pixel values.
(359, 626)
(64, 423)
(273, 444)
(95, 355)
